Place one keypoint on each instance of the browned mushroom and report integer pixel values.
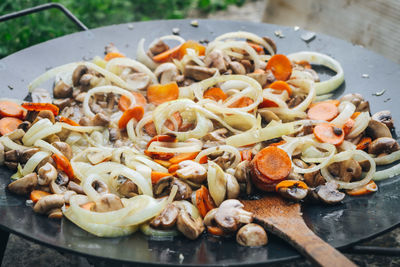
(198, 73)
(55, 214)
(349, 170)
(158, 47)
(47, 203)
(237, 68)
(26, 154)
(232, 187)
(216, 135)
(215, 59)
(78, 73)
(209, 219)
(100, 120)
(108, 202)
(377, 129)
(46, 174)
(75, 187)
(385, 117)
(261, 78)
(383, 145)
(294, 192)
(329, 194)
(62, 90)
(191, 170)
(231, 215)
(64, 148)
(167, 218)
(189, 226)
(357, 100)
(243, 176)
(252, 235)
(164, 185)
(24, 185)
(59, 185)
(126, 187)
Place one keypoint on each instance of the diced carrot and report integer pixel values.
(242, 102)
(183, 156)
(278, 143)
(348, 125)
(215, 93)
(291, 183)
(200, 49)
(88, 206)
(124, 102)
(329, 133)
(204, 201)
(41, 106)
(305, 64)
(11, 109)
(364, 143)
(369, 188)
(156, 176)
(323, 111)
(68, 121)
(112, 55)
(38, 194)
(167, 55)
(282, 86)
(203, 160)
(267, 104)
(280, 66)
(355, 115)
(214, 230)
(164, 163)
(246, 154)
(134, 113)
(273, 163)
(9, 124)
(160, 93)
(64, 165)
(173, 168)
(259, 49)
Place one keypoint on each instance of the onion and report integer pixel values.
(247, 35)
(35, 128)
(33, 162)
(135, 177)
(8, 143)
(153, 165)
(387, 159)
(56, 128)
(88, 187)
(360, 124)
(143, 57)
(47, 146)
(216, 180)
(179, 147)
(388, 173)
(51, 74)
(110, 76)
(150, 231)
(346, 109)
(222, 148)
(114, 63)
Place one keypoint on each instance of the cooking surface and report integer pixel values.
(356, 219)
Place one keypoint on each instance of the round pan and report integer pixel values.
(358, 218)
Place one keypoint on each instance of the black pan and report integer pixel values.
(355, 220)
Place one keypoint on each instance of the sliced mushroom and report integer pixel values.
(252, 235)
(100, 187)
(247, 65)
(237, 68)
(231, 215)
(293, 193)
(232, 187)
(164, 185)
(166, 73)
(58, 186)
(271, 43)
(198, 73)
(216, 135)
(377, 129)
(12, 155)
(243, 176)
(209, 219)
(45, 114)
(167, 218)
(215, 59)
(68, 194)
(385, 117)
(158, 47)
(25, 125)
(46, 174)
(100, 120)
(191, 170)
(314, 179)
(55, 214)
(47, 203)
(357, 100)
(75, 187)
(383, 145)
(24, 185)
(329, 194)
(1, 154)
(224, 161)
(64, 148)
(138, 80)
(108, 202)
(188, 226)
(349, 170)
(261, 78)
(40, 95)
(62, 103)
(62, 90)
(126, 187)
(78, 73)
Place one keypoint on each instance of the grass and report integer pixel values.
(23, 32)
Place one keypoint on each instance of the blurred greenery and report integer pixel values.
(22, 32)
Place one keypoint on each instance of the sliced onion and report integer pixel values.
(346, 109)
(47, 146)
(8, 143)
(150, 231)
(127, 62)
(88, 187)
(33, 162)
(51, 74)
(143, 57)
(387, 159)
(360, 124)
(153, 165)
(35, 128)
(216, 181)
(222, 148)
(247, 35)
(178, 147)
(135, 177)
(43, 133)
(388, 173)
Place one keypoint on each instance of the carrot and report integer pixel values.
(282, 86)
(329, 133)
(204, 201)
(9, 124)
(178, 118)
(364, 143)
(242, 102)
(214, 230)
(40, 106)
(215, 93)
(305, 64)
(160, 93)
(203, 160)
(355, 115)
(162, 138)
(124, 102)
(63, 164)
(134, 113)
(164, 163)
(200, 49)
(273, 163)
(112, 55)
(325, 111)
(267, 104)
(156, 176)
(246, 154)
(349, 124)
(369, 188)
(88, 206)
(280, 66)
(167, 55)
(38, 194)
(183, 156)
(160, 155)
(291, 183)
(173, 168)
(68, 121)
(332, 101)
(11, 109)
(259, 49)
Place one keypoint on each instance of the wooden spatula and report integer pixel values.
(284, 219)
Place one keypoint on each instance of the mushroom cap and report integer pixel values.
(377, 129)
(47, 203)
(293, 193)
(383, 145)
(188, 226)
(24, 185)
(252, 235)
(385, 117)
(230, 215)
(167, 218)
(329, 194)
(108, 202)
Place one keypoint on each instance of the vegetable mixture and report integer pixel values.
(169, 142)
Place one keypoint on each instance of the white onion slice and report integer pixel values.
(387, 173)
(387, 159)
(35, 128)
(346, 109)
(128, 62)
(143, 57)
(360, 124)
(47, 146)
(172, 147)
(43, 133)
(33, 162)
(135, 177)
(8, 143)
(51, 74)
(247, 35)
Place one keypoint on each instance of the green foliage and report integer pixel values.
(19, 33)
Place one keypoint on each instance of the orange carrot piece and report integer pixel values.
(9, 124)
(41, 106)
(267, 104)
(364, 143)
(332, 101)
(291, 183)
(160, 93)
(280, 66)
(200, 49)
(259, 49)
(349, 124)
(215, 93)
(246, 154)
(203, 160)
(38, 194)
(88, 206)
(355, 115)
(242, 102)
(162, 138)
(167, 55)
(64, 165)
(273, 163)
(112, 55)
(178, 118)
(164, 163)
(282, 86)
(68, 121)
(160, 155)
(323, 111)
(156, 176)
(173, 168)
(214, 230)
(204, 201)
(305, 64)
(329, 133)
(369, 188)
(136, 113)
(124, 102)
(11, 109)
(183, 156)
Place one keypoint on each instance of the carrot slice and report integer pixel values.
(215, 93)
(11, 109)
(329, 133)
(369, 188)
(173, 168)
(162, 138)
(246, 154)
(273, 162)
(124, 102)
(349, 124)
(280, 66)
(355, 115)
(282, 86)
(136, 112)
(305, 64)
(41, 106)
(161, 155)
(156, 176)
(9, 124)
(167, 55)
(267, 104)
(204, 201)
(160, 93)
(291, 183)
(88, 206)
(63, 164)
(112, 55)
(38, 194)
(259, 49)
(203, 160)
(332, 101)
(364, 143)
(214, 230)
(200, 49)
(325, 111)
(242, 102)
(164, 163)
(68, 121)
(183, 156)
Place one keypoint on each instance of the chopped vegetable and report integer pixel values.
(273, 163)
(158, 94)
(364, 143)
(68, 121)
(332, 101)
(173, 168)
(204, 201)
(280, 66)
(11, 109)
(329, 133)
(41, 106)
(281, 86)
(267, 104)
(88, 206)
(183, 156)
(112, 55)
(38, 194)
(156, 176)
(215, 93)
(164, 163)
(291, 183)
(246, 154)
(200, 49)
(348, 126)
(64, 165)
(355, 115)
(259, 49)
(124, 102)
(214, 230)
(242, 102)
(369, 188)
(9, 124)
(167, 55)
(134, 113)
(325, 111)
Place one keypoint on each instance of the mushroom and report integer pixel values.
(100, 187)
(247, 65)
(1, 154)
(45, 114)
(294, 192)
(216, 135)
(58, 186)
(232, 187)
(77, 74)
(377, 129)
(314, 179)
(24, 185)
(40, 95)
(242, 174)
(100, 120)
(164, 185)
(62, 103)
(209, 219)
(268, 116)
(198, 73)
(215, 59)
(108, 202)
(384, 117)
(166, 73)
(260, 77)
(383, 145)
(55, 214)
(25, 125)
(138, 80)
(349, 170)
(46, 174)
(167, 218)
(189, 226)
(110, 48)
(126, 187)
(216, 179)
(294, 101)
(224, 160)
(26, 154)
(64, 148)
(237, 68)
(271, 43)
(62, 90)
(231, 215)
(12, 155)
(80, 97)
(329, 194)
(75, 187)
(158, 47)
(357, 100)
(47, 203)
(191, 170)
(252, 235)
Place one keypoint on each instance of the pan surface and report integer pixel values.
(342, 225)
